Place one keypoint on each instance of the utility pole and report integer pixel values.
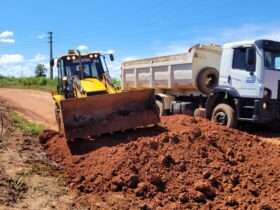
(51, 54)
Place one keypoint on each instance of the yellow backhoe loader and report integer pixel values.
(89, 105)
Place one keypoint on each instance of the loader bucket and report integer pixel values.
(96, 115)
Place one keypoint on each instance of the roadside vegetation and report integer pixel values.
(41, 83)
(37, 83)
(25, 126)
(117, 83)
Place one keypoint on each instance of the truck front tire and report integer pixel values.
(225, 115)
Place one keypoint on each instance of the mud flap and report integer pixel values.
(97, 115)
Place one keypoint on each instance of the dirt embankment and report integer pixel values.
(28, 179)
(37, 106)
(185, 164)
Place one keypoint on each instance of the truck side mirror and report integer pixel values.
(251, 56)
(112, 58)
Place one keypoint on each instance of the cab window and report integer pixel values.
(239, 59)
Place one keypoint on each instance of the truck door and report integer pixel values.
(242, 75)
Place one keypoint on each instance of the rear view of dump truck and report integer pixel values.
(89, 105)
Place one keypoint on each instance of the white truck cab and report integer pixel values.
(251, 67)
(250, 76)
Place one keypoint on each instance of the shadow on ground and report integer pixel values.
(270, 130)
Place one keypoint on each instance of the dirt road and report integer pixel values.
(37, 106)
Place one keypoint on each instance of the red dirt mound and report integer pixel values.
(185, 164)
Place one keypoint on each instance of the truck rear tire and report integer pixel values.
(224, 114)
(207, 80)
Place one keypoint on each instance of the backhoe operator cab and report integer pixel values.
(249, 84)
(75, 68)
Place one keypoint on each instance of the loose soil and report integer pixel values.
(182, 164)
(28, 179)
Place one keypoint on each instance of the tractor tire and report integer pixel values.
(207, 80)
(224, 114)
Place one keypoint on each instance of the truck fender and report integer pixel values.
(219, 94)
(226, 89)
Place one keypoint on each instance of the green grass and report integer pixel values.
(40, 83)
(24, 125)
(37, 83)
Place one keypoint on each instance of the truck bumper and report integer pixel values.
(263, 111)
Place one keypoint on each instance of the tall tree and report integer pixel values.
(40, 70)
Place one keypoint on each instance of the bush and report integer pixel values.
(41, 83)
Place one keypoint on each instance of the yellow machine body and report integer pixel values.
(88, 104)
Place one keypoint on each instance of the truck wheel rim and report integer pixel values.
(221, 118)
(211, 81)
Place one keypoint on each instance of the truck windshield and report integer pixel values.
(272, 59)
(90, 68)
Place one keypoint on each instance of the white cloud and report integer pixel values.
(6, 34)
(39, 58)
(7, 41)
(11, 59)
(110, 51)
(82, 47)
(221, 36)
(129, 59)
(17, 65)
(115, 67)
(7, 37)
(41, 36)
(249, 32)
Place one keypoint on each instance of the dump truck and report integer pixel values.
(87, 104)
(227, 84)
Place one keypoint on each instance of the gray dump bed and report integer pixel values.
(173, 72)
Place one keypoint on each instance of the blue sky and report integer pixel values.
(132, 29)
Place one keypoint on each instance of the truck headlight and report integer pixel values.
(264, 105)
